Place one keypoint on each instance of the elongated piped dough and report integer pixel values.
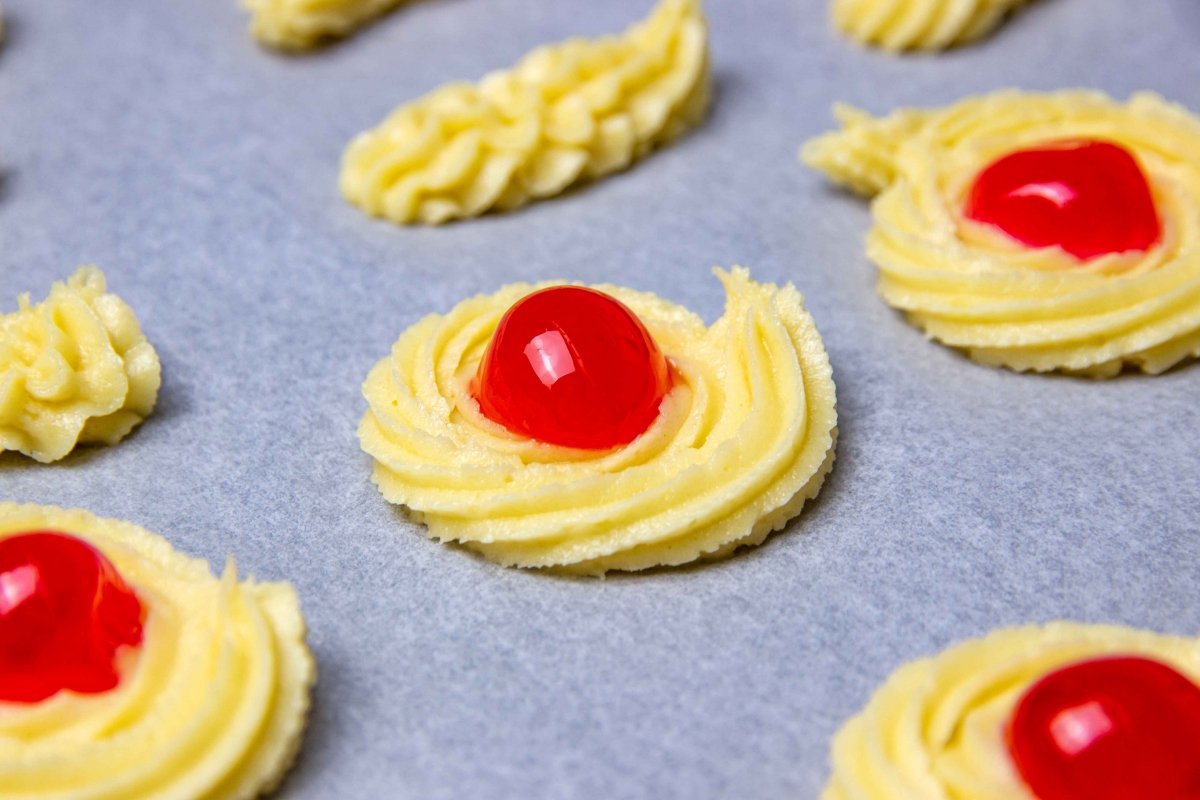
(566, 113)
(302, 24)
(743, 440)
(971, 287)
(74, 369)
(919, 24)
(935, 729)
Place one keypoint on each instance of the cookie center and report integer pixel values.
(574, 367)
(1089, 197)
(1109, 729)
(64, 613)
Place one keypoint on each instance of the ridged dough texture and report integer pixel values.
(936, 728)
(566, 113)
(744, 438)
(302, 24)
(74, 369)
(211, 706)
(919, 24)
(970, 286)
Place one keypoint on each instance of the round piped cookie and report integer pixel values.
(128, 670)
(1035, 231)
(595, 429)
(74, 369)
(1061, 712)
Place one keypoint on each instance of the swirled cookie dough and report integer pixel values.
(567, 113)
(211, 706)
(971, 287)
(936, 728)
(302, 24)
(74, 369)
(743, 439)
(919, 24)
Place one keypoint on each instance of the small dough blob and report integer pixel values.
(211, 706)
(566, 113)
(743, 439)
(936, 728)
(970, 286)
(302, 24)
(74, 369)
(919, 24)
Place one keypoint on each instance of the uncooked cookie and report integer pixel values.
(590, 430)
(1038, 232)
(567, 113)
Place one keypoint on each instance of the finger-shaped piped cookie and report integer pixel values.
(919, 24)
(1035, 231)
(604, 429)
(301, 24)
(567, 113)
(1059, 712)
(74, 369)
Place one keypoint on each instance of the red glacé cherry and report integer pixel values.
(1089, 197)
(1124, 728)
(64, 612)
(573, 367)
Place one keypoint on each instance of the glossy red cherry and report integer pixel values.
(1089, 197)
(574, 367)
(64, 613)
(1110, 729)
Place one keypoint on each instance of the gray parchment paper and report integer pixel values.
(156, 140)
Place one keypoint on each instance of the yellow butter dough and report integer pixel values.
(301, 24)
(919, 24)
(566, 113)
(971, 287)
(211, 706)
(743, 440)
(74, 369)
(936, 728)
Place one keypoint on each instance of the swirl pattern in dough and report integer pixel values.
(566, 113)
(211, 706)
(936, 729)
(302, 24)
(743, 439)
(74, 369)
(969, 286)
(919, 24)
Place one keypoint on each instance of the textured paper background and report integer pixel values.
(155, 139)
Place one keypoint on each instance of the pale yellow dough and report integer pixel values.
(301, 24)
(211, 706)
(744, 439)
(74, 369)
(566, 113)
(935, 730)
(919, 24)
(970, 286)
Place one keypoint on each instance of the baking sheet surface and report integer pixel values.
(156, 140)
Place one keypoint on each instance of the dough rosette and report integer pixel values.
(567, 113)
(74, 369)
(301, 24)
(936, 729)
(743, 439)
(972, 287)
(211, 705)
(919, 24)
